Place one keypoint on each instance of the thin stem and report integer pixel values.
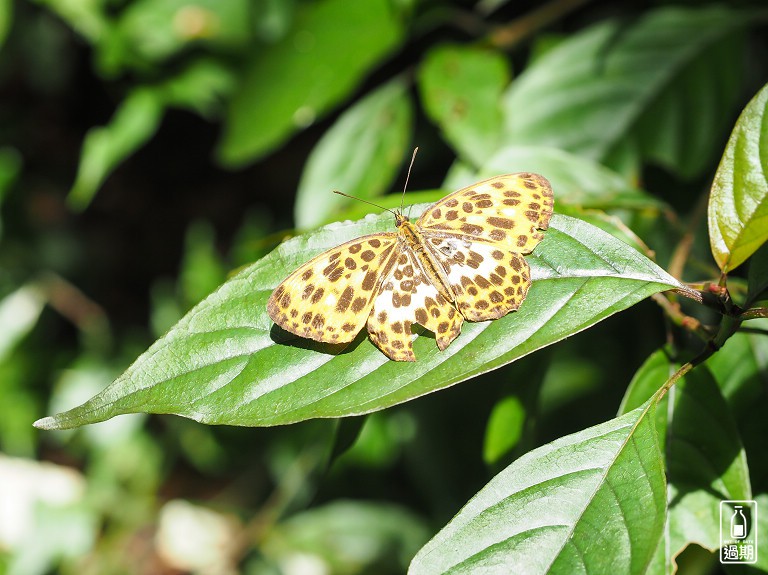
(506, 37)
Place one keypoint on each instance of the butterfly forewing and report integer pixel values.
(505, 210)
(329, 298)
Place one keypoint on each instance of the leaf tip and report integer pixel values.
(46, 423)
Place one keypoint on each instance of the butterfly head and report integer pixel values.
(400, 219)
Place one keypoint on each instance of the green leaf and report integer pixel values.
(662, 83)
(360, 155)
(86, 17)
(225, 362)
(705, 460)
(289, 84)
(757, 278)
(154, 30)
(348, 537)
(19, 312)
(202, 268)
(461, 88)
(741, 371)
(134, 123)
(591, 502)
(505, 427)
(6, 15)
(199, 87)
(738, 205)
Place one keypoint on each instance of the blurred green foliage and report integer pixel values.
(151, 149)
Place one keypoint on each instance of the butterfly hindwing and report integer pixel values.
(407, 297)
(329, 298)
(487, 280)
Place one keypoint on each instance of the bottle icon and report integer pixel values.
(738, 523)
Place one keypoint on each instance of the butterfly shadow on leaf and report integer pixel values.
(286, 338)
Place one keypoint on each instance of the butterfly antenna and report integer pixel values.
(407, 176)
(364, 201)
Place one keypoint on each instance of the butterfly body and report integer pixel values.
(462, 259)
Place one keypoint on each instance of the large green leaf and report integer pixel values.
(738, 206)
(591, 502)
(360, 155)
(225, 362)
(661, 84)
(288, 85)
(461, 87)
(705, 460)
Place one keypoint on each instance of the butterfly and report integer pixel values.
(461, 259)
